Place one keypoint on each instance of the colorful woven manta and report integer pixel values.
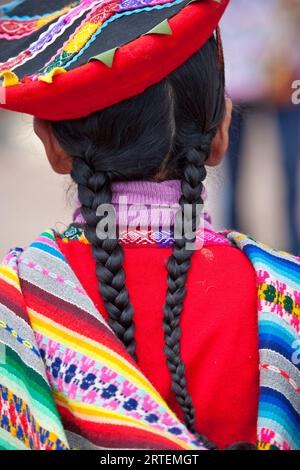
(66, 382)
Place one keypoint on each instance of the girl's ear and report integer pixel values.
(59, 160)
(221, 140)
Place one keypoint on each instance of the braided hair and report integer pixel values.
(117, 144)
(164, 133)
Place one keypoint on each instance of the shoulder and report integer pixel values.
(225, 258)
(273, 267)
(278, 281)
(261, 255)
(221, 280)
(20, 261)
(249, 267)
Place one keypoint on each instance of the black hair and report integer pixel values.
(164, 133)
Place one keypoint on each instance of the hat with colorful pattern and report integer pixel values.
(65, 59)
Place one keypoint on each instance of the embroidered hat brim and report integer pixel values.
(87, 55)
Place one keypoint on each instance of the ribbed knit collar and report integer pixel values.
(144, 196)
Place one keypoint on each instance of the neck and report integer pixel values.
(152, 203)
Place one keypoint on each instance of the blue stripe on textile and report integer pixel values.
(280, 420)
(275, 406)
(277, 398)
(48, 249)
(274, 343)
(284, 267)
(270, 317)
(275, 329)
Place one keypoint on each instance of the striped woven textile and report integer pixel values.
(278, 281)
(66, 382)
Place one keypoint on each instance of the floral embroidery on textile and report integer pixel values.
(277, 299)
(268, 440)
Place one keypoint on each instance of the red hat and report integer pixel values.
(65, 59)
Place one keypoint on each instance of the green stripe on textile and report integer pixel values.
(48, 234)
(8, 442)
(36, 386)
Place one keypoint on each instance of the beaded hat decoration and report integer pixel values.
(65, 59)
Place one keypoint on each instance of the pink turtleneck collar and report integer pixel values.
(143, 197)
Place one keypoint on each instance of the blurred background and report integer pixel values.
(256, 189)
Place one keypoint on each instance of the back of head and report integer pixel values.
(146, 137)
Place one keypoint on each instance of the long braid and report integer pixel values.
(94, 189)
(179, 265)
